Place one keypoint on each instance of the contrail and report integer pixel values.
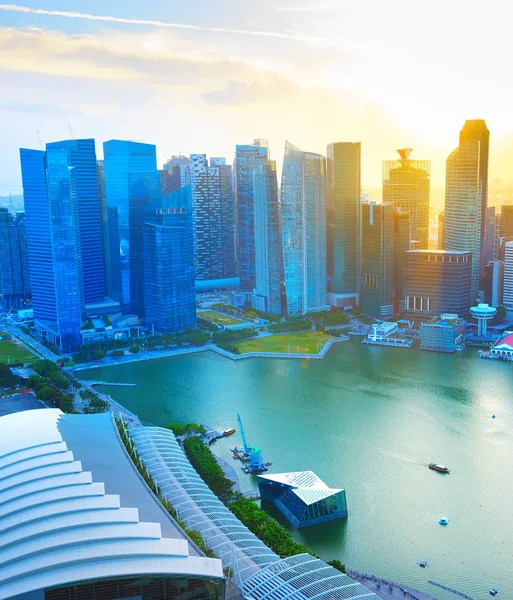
(110, 19)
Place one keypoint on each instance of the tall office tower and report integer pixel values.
(377, 271)
(490, 234)
(247, 159)
(463, 203)
(508, 276)
(268, 250)
(507, 221)
(127, 167)
(175, 174)
(169, 281)
(497, 236)
(303, 222)
(50, 189)
(214, 218)
(402, 243)
(477, 130)
(343, 202)
(436, 282)
(81, 156)
(441, 230)
(494, 283)
(14, 273)
(406, 185)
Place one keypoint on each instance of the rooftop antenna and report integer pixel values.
(71, 131)
(40, 140)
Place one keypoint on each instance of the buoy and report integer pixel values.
(493, 416)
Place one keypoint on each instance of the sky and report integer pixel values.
(201, 76)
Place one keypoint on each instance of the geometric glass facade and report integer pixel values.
(268, 251)
(169, 290)
(303, 222)
(406, 185)
(14, 273)
(247, 159)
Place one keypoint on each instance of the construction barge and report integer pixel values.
(250, 456)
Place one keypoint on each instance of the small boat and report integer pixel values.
(444, 521)
(423, 563)
(228, 432)
(439, 468)
(494, 592)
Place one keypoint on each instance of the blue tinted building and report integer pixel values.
(303, 222)
(268, 251)
(169, 278)
(53, 243)
(247, 159)
(14, 273)
(125, 164)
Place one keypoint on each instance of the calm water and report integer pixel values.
(368, 420)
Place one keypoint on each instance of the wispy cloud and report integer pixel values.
(154, 23)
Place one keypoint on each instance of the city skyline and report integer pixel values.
(80, 69)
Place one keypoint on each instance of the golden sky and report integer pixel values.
(202, 76)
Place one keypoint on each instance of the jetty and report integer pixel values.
(448, 589)
(110, 383)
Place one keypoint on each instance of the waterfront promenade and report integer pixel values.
(388, 590)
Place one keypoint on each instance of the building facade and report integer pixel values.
(406, 185)
(508, 276)
(463, 206)
(377, 272)
(247, 159)
(303, 222)
(169, 279)
(343, 202)
(268, 249)
(402, 243)
(436, 282)
(441, 230)
(442, 333)
(14, 269)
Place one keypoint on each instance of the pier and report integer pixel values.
(111, 383)
(395, 342)
(448, 589)
(388, 590)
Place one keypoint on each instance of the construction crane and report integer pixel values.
(247, 447)
(40, 140)
(71, 132)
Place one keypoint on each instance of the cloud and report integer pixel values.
(152, 23)
(240, 92)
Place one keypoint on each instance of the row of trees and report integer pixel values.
(186, 430)
(202, 459)
(291, 324)
(49, 394)
(7, 379)
(47, 368)
(93, 403)
(229, 336)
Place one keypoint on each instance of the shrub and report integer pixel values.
(202, 459)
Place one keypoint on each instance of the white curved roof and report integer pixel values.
(58, 522)
(304, 484)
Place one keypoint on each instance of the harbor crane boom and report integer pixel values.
(247, 447)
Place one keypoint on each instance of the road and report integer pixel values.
(30, 343)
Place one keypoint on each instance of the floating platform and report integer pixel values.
(394, 342)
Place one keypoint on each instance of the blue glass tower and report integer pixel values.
(247, 159)
(169, 278)
(14, 277)
(81, 157)
(123, 160)
(303, 222)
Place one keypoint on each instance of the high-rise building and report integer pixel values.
(441, 230)
(508, 276)
(14, 270)
(507, 221)
(343, 201)
(268, 249)
(81, 157)
(477, 130)
(303, 222)
(497, 236)
(131, 178)
(402, 243)
(490, 234)
(463, 206)
(494, 283)
(169, 280)
(435, 282)
(406, 185)
(214, 218)
(247, 159)
(53, 242)
(377, 270)
(175, 174)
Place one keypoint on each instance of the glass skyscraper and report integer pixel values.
(127, 187)
(169, 279)
(268, 249)
(247, 159)
(343, 192)
(14, 271)
(303, 221)
(406, 185)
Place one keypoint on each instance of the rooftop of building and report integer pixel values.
(306, 485)
(504, 343)
(446, 321)
(68, 514)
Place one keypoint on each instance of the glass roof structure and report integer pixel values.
(256, 570)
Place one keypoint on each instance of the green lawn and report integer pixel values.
(308, 342)
(216, 317)
(12, 352)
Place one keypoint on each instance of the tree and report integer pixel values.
(135, 349)
(501, 314)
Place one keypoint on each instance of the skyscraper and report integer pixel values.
(463, 206)
(377, 271)
(441, 230)
(14, 272)
(130, 178)
(169, 280)
(508, 277)
(268, 249)
(247, 159)
(303, 221)
(402, 243)
(406, 185)
(214, 218)
(477, 130)
(81, 157)
(53, 242)
(343, 193)
(490, 234)
(175, 174)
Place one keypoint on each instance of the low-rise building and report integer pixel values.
(502, 348)
(443, 333)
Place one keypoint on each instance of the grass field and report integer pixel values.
(308, 342)
(215, 317)
(14, 353)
